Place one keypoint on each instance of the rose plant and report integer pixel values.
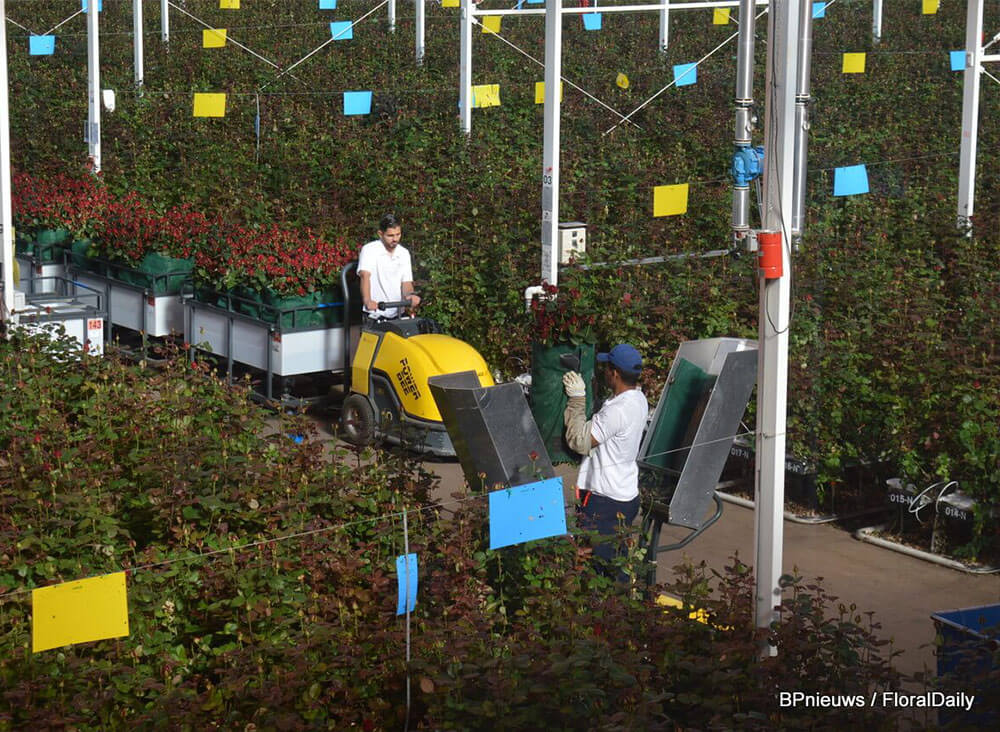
(272, 259)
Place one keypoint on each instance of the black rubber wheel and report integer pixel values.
(357, 420)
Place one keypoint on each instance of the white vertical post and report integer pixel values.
(550, 142)
(465, 68)
(970, 114)
(772, 377)
(665, 25)
(164, 20)
(137, 40)
(6, 221)
(876, 21)
(93, 87)
(419, 44)
(392, 16)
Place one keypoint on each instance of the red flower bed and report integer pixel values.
(282, 261)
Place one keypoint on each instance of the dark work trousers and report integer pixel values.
(600, 513)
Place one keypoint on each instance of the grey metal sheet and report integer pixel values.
(720, 421)
(495, 437)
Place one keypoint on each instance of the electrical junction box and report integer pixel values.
(572, 240)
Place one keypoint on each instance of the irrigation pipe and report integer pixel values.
(795, 518)
(866, 534)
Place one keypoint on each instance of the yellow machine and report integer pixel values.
(387, 392)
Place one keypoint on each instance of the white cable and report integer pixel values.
(50, 31)
(322, 46)
(561, 78)
(697, 63)
(228, 39)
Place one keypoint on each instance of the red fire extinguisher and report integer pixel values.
(769, 254)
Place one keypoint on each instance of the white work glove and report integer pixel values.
(577, 426)
(573, 384)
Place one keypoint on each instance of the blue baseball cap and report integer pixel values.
(623, 357)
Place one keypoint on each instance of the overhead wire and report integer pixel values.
(383, 518)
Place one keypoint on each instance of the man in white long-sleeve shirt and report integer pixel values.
(609, 476)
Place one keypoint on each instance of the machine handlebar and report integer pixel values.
(393, 304)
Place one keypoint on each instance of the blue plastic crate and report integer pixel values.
(967, 659)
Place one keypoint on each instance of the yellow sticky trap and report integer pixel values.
(930, 7)
(213, 38)
(854, 63)
(79, 612)
(491, 23)
(209, 105)
(699, 614)
(540, 92)
(670, 200)
(486, 95)
(720, 16)
(451, 3)
(229, 4)
(622, 81)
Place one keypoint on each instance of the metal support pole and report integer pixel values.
(6, 220)
(421, 13)
(744, 112)
(165, 21)
(970, 114)
(93, 87)
(137, 49)
(772, 385)
(802, 98)
(550, 143)
(392, 16)
(665, 26)
(465, 68)
(876, 21)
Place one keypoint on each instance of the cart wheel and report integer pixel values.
(357, 420)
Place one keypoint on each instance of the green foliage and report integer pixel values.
(261, 588)
(891, 308)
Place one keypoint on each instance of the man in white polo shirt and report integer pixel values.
(609, 476)
(386, 271)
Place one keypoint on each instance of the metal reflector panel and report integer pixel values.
(492, 430)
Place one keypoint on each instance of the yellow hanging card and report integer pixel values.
(451, 3)
(670, 200)
(209, 105)
(622, 81)
(486, 95)
(491, 23)
(540, 92)
(229, 4)
(931, 6)
(854, 63)
(213, 38)
(720, 16)
(79, 612)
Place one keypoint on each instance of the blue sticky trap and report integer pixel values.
(819, 10)
(327, 4)
(43, 45)
(342, 30)
(527, 512)
(685, 74)
(957, 59)
(536, 2)
(100, 5)
(592, 21)
(297, 439)
(357, 102)
(406, 577)
(850, 181)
